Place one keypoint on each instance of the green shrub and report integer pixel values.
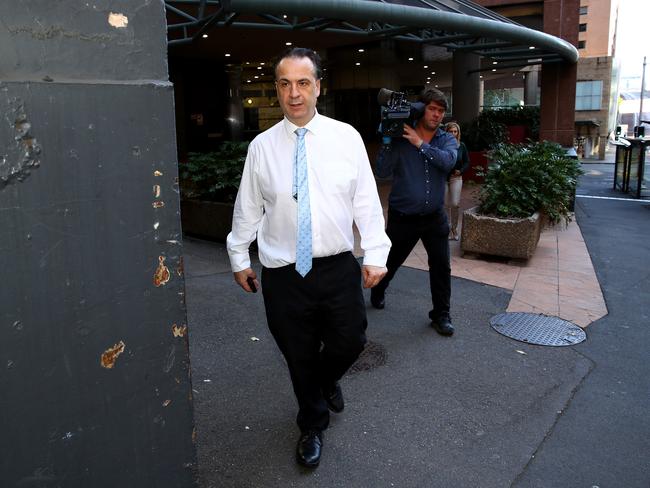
(213, 176)
(490, 127)
(525, 178)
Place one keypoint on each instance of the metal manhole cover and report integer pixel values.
(537, 329)
(372, 356)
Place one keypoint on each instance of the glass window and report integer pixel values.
(582, 44)
(589, 95)
(584, 10)
(582, 28)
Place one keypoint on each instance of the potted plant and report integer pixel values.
(480, 135)
(523, 183)
(209, 183)
(493, 127)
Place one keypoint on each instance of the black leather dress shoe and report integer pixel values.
(334, 398)
(309, 448)
(442, 325)
(377, 298)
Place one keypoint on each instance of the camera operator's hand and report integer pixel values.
(412, 136)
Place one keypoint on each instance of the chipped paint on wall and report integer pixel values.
(162, 274)
(158, 204)
(157, 173)
(156, 191)
(111, 354)
(180, 269)
(166, 403)
(179, 331)
(22, 155)
(119, 21)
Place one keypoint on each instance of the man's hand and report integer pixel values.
(372, 275)
(242, 276)
(412, 136)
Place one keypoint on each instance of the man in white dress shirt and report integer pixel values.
(318, 320)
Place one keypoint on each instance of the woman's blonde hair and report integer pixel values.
(450, 125)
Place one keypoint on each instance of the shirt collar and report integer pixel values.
(312, 126)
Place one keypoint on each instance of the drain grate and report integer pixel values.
(372, 356)
(537, 329)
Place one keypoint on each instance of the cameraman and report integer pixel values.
(419, 164)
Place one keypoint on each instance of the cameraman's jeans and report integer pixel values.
(404, 232)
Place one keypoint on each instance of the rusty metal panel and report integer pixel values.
(94, 358)
(94, 361)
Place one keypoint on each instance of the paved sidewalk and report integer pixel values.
(477, 410)
(558, 280)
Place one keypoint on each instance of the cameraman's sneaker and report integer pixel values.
(442, 325)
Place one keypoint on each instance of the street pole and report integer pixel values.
(642, 87)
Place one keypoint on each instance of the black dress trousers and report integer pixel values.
(319, 324)
(404, 232)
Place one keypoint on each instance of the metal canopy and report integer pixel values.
(458, 25)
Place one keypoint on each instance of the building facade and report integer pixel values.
(597, 79)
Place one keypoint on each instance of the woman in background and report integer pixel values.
(455, 181)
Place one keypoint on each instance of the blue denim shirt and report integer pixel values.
(419, 175)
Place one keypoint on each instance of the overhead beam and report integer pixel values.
(358, 10)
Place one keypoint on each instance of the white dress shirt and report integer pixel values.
(342, 189)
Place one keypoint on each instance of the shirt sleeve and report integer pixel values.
(386, 161)
(441, 152)
(247, 214)
(368, 214)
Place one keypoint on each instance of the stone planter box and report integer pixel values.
(512, 238)
(209, 220)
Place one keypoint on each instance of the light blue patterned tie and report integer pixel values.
(301, 184)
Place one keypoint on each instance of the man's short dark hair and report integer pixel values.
(429, 95)
(301, 52)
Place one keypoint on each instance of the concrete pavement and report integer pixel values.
(474, 410)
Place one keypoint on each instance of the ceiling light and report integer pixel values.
(284, 16)
(361, 50)
(248, 81)
(531, 47)
(495, 62)
(288, 43)
(426, 66)
(436, 86)
(227, 55)
(410, 59)
(494, 69)
(256, 77)
(205, 36)
(357, 64)
(249, 101)
(428, 82)
(259, 67)
(428, 77)
(480, 76)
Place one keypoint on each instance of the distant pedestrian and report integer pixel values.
(455, 180)
(306, 180)
(419, 163)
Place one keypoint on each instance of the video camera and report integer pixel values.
(396, 111)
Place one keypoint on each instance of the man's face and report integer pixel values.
(433, 115)
(297, 89)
